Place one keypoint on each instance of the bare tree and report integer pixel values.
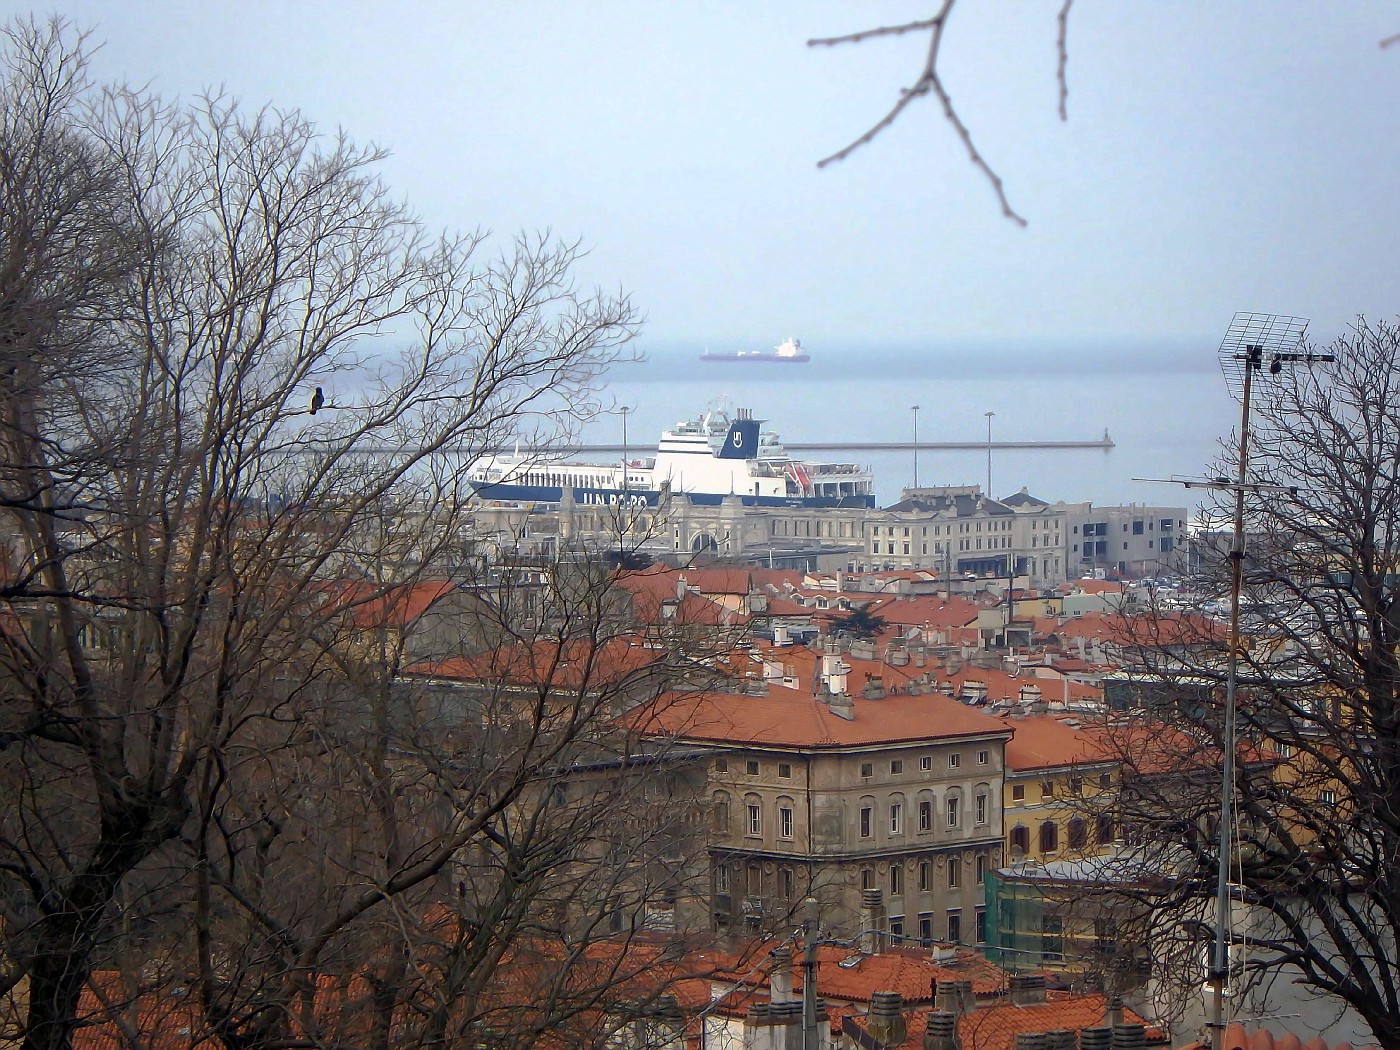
(240, 383)
(1318, 782)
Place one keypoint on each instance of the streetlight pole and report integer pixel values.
(915, 410)
(623, 511)
(989, 416)
(810, 922)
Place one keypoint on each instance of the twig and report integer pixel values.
(1391, 40)
(928, 81)
(1061, 42)
(866, 34)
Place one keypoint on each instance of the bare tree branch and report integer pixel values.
(929, 81)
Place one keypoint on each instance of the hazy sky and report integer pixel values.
(1219, 156)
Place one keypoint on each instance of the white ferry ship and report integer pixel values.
(706, 460)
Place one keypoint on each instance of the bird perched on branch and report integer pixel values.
(318, 400)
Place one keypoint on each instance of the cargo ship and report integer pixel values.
(789, 351)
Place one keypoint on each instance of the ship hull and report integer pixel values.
(587, 497)
(790, 359)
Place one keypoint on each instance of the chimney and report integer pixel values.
(680, 586)
(1095, 1038)
(941, 1032)
(954, 997)
(1129, 1037)
(780, 980)
(872, 922)
(1031, 1041)
(843, 706)
(965, 996)
(1115, 1011)
(1061, 1039)
(1027, 989)
(885, 1021)
(874, 688)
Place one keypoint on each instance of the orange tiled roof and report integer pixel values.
(570, 664)
(996, 1027)
(370, 605)
(794, 718)
(1043, 742)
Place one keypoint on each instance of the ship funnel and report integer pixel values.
(742, 440)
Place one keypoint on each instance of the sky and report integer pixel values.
(1218, 156)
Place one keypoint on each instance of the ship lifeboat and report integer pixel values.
(798, 474)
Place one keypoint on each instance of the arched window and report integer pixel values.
(719, 811)
(896, 813)
(753, 815)
(1020, 840)
(786, 817)
(1078, 838)
(925, 807)
(1049, 837)
(865, 815)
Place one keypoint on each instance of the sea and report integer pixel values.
(1165, 404)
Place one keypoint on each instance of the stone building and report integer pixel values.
(832, 795)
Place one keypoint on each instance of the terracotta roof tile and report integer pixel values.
(794, 718)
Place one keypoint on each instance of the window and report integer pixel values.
(954, 761)
(1327, 797)
(1105, 831)
(896, 819)
(751, 767)
(925, 875)
(896, 879)
(926, 763)
(722, 878)
(981, 926)
(867, 878)
(954, 804)
(1049, 837)
(979, 809)
(1076, 786)
(785, 822)
(1078, 837)
(787, 884)
(955, 927)
(1018, 793)
(721, 812)
(867, 770)
(979, 868)
(954, 873)
(1047, 789)
(896, 767)
(926, 815)
(867, 829)
(755, 819)
(1020, 840)
(1105, 780)
(721, 765)
(897, 927)
(785, 770)
(926, 929)
(983, 757)
(1052, 938)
